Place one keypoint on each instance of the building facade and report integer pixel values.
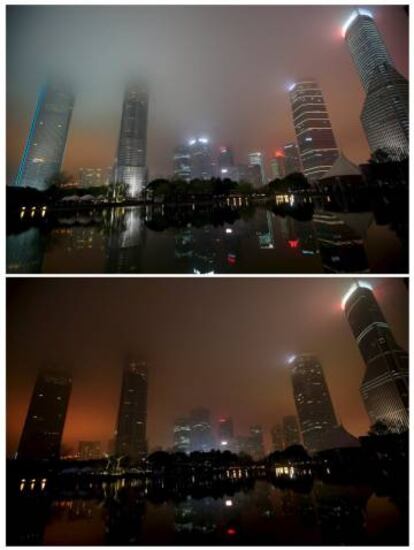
(292, 159)
(182, 435)
(313, 402)
(202, 165)
(45, 145)
(132, 415)
(384, 387)
(92, 177)
(201, 433)
(256, 169)
(43, 429)
(385, 112)
(277, 438)
(130, 166)
(225, 433)
(182, 163)
(89, 450)
(291, 434)
(314, 134)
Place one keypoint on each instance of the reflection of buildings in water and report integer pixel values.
(341, 513)
(76, 239)
(198, 248)
(341, 249)
(299, 235)
(124, 512)
(266, 235)
(197, 516)
(24, 251)
(125, 240)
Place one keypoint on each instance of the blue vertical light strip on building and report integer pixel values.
(28, 145)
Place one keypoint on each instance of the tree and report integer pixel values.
(59, 179)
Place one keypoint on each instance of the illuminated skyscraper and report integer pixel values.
(313, 403)
(316, 141)
(45, 420)
(202, 166)
(385, 112)
(291, 435)
(277, 438)
(277, 165)
(384, 387)
(130, 168)
(132, 415)
(182, 163)
(201, 433)
(45, 146)
(256, 169)
(292, 158)
(225, 433)
(225, 161)
(182, 435)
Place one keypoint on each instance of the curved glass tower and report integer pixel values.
(384, 387)
(45, 146)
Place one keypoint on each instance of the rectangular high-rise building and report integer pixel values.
(43, 429)
(89, 450)
(225, 433)
(256, 169)
(132, 416)
(384, 116)
(45, 146)
(315, 138)
(182, 163)
(182, 435)
(201, 161)
(277, 438)
(201, 433)
(291, 435)
(131, 169)
(313, 403)
(384, 387)
(292, 159)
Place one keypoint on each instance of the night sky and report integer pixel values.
(222, 71)
(215, 342)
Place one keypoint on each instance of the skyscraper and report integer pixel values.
(225, 433)
(291, 435)
(130, 166)
(313, 403)
(316, 140)
(182, 435)
(277, 165)
(256, 445)
(384, 115)
(201, 159)
(292, 158)
(201, 433)
(182, 163)
(225, 162)
(384, 387)
(277, 438)
(45, 146)
(45, 420)
(256, 169)
(132, 415)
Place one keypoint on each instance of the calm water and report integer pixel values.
(235, 238)
(135, 512)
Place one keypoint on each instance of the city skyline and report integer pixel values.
(174, 115)
(179, 313)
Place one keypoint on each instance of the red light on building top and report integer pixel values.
(231, 259)
(279, 154)
(293, 244)
(230, 531)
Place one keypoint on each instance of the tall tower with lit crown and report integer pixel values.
(384, 387)
(384, 115)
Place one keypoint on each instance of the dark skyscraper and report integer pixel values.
(225, 433)
(45, 146)
(313, 403)
(384, 387)
(292, 158)
(316, 141)
(45, 420)
(384, 115)
(182, 435)
(201, 159)
(256, 446)
(131, 167)
(201, 433)
(277, 438)
(291, 435)
(182, 163)
(132, 416)
(225, 163)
